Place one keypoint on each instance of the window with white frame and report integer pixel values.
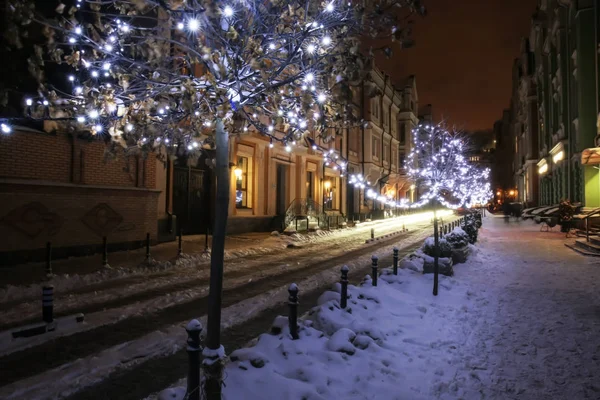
(376, 148)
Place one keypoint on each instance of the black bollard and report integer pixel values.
(179, 248)
(344, 282)
(372, 233)
(105, 252)
(48, 303)
(48, 260)
(148, 248)
(374, 269)
(193, 329)
(395, 261)
(293, 304)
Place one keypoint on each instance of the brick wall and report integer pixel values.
(59, 158)
(54, 188)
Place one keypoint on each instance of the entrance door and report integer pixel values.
(281, 189)
(191, 199)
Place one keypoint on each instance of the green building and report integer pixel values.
(554, 108)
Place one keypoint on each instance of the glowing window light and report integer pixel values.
(558, 156)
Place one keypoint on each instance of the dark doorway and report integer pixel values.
(281, 189)
(310, 187)
(191, 199)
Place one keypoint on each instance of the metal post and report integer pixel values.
(179, 248)
(48, 303)
(328, 223)
(293, 304)
(105, 252)
(193, 329)
(395, 261)
(344, 282)
(374, 269)
(372, 233)
(206, 241)
(48, 260)
(436, 267)
(148, 248)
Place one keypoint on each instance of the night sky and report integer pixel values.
(463, 58)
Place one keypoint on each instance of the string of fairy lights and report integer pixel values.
(100, 101)
(437, 165)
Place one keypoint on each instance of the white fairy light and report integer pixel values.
(288, 148)
(72, 40)
(78, 90)
(98, 128)
(95, 74)
(326, 40)
(71, 78)
(78, 30)
(270, 128)
(6, 128)
(129, 127)
(106, 66)
(309, 77)
(228, 11)
(193, 25)
(329, 7)
(321, 98)
(81, 119)
(311, 48)
(272, 46)
(45, 102)
(108, 47)
(93, 114)
(180, 25)
(29, 102)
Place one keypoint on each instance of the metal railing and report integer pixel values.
(305, 208)
(587, 217)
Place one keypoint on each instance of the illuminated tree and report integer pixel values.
(177, 76)
(440, 170)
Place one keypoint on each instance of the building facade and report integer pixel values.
(554, 106)
(60, 187)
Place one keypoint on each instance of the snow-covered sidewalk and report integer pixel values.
(519, 320)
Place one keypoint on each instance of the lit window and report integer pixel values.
(243, 193)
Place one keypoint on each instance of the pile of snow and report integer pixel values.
(393, 341)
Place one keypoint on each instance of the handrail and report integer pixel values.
(305, 207)
(595, 211)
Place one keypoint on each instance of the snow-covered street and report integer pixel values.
(136, 323)
(519, 320)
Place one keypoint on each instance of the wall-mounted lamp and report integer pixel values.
(238, 173)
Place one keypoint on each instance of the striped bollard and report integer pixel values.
(48, 303)
(374, 260)
(293, 304)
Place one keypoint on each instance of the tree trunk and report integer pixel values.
(213, 336)
(436, 252)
